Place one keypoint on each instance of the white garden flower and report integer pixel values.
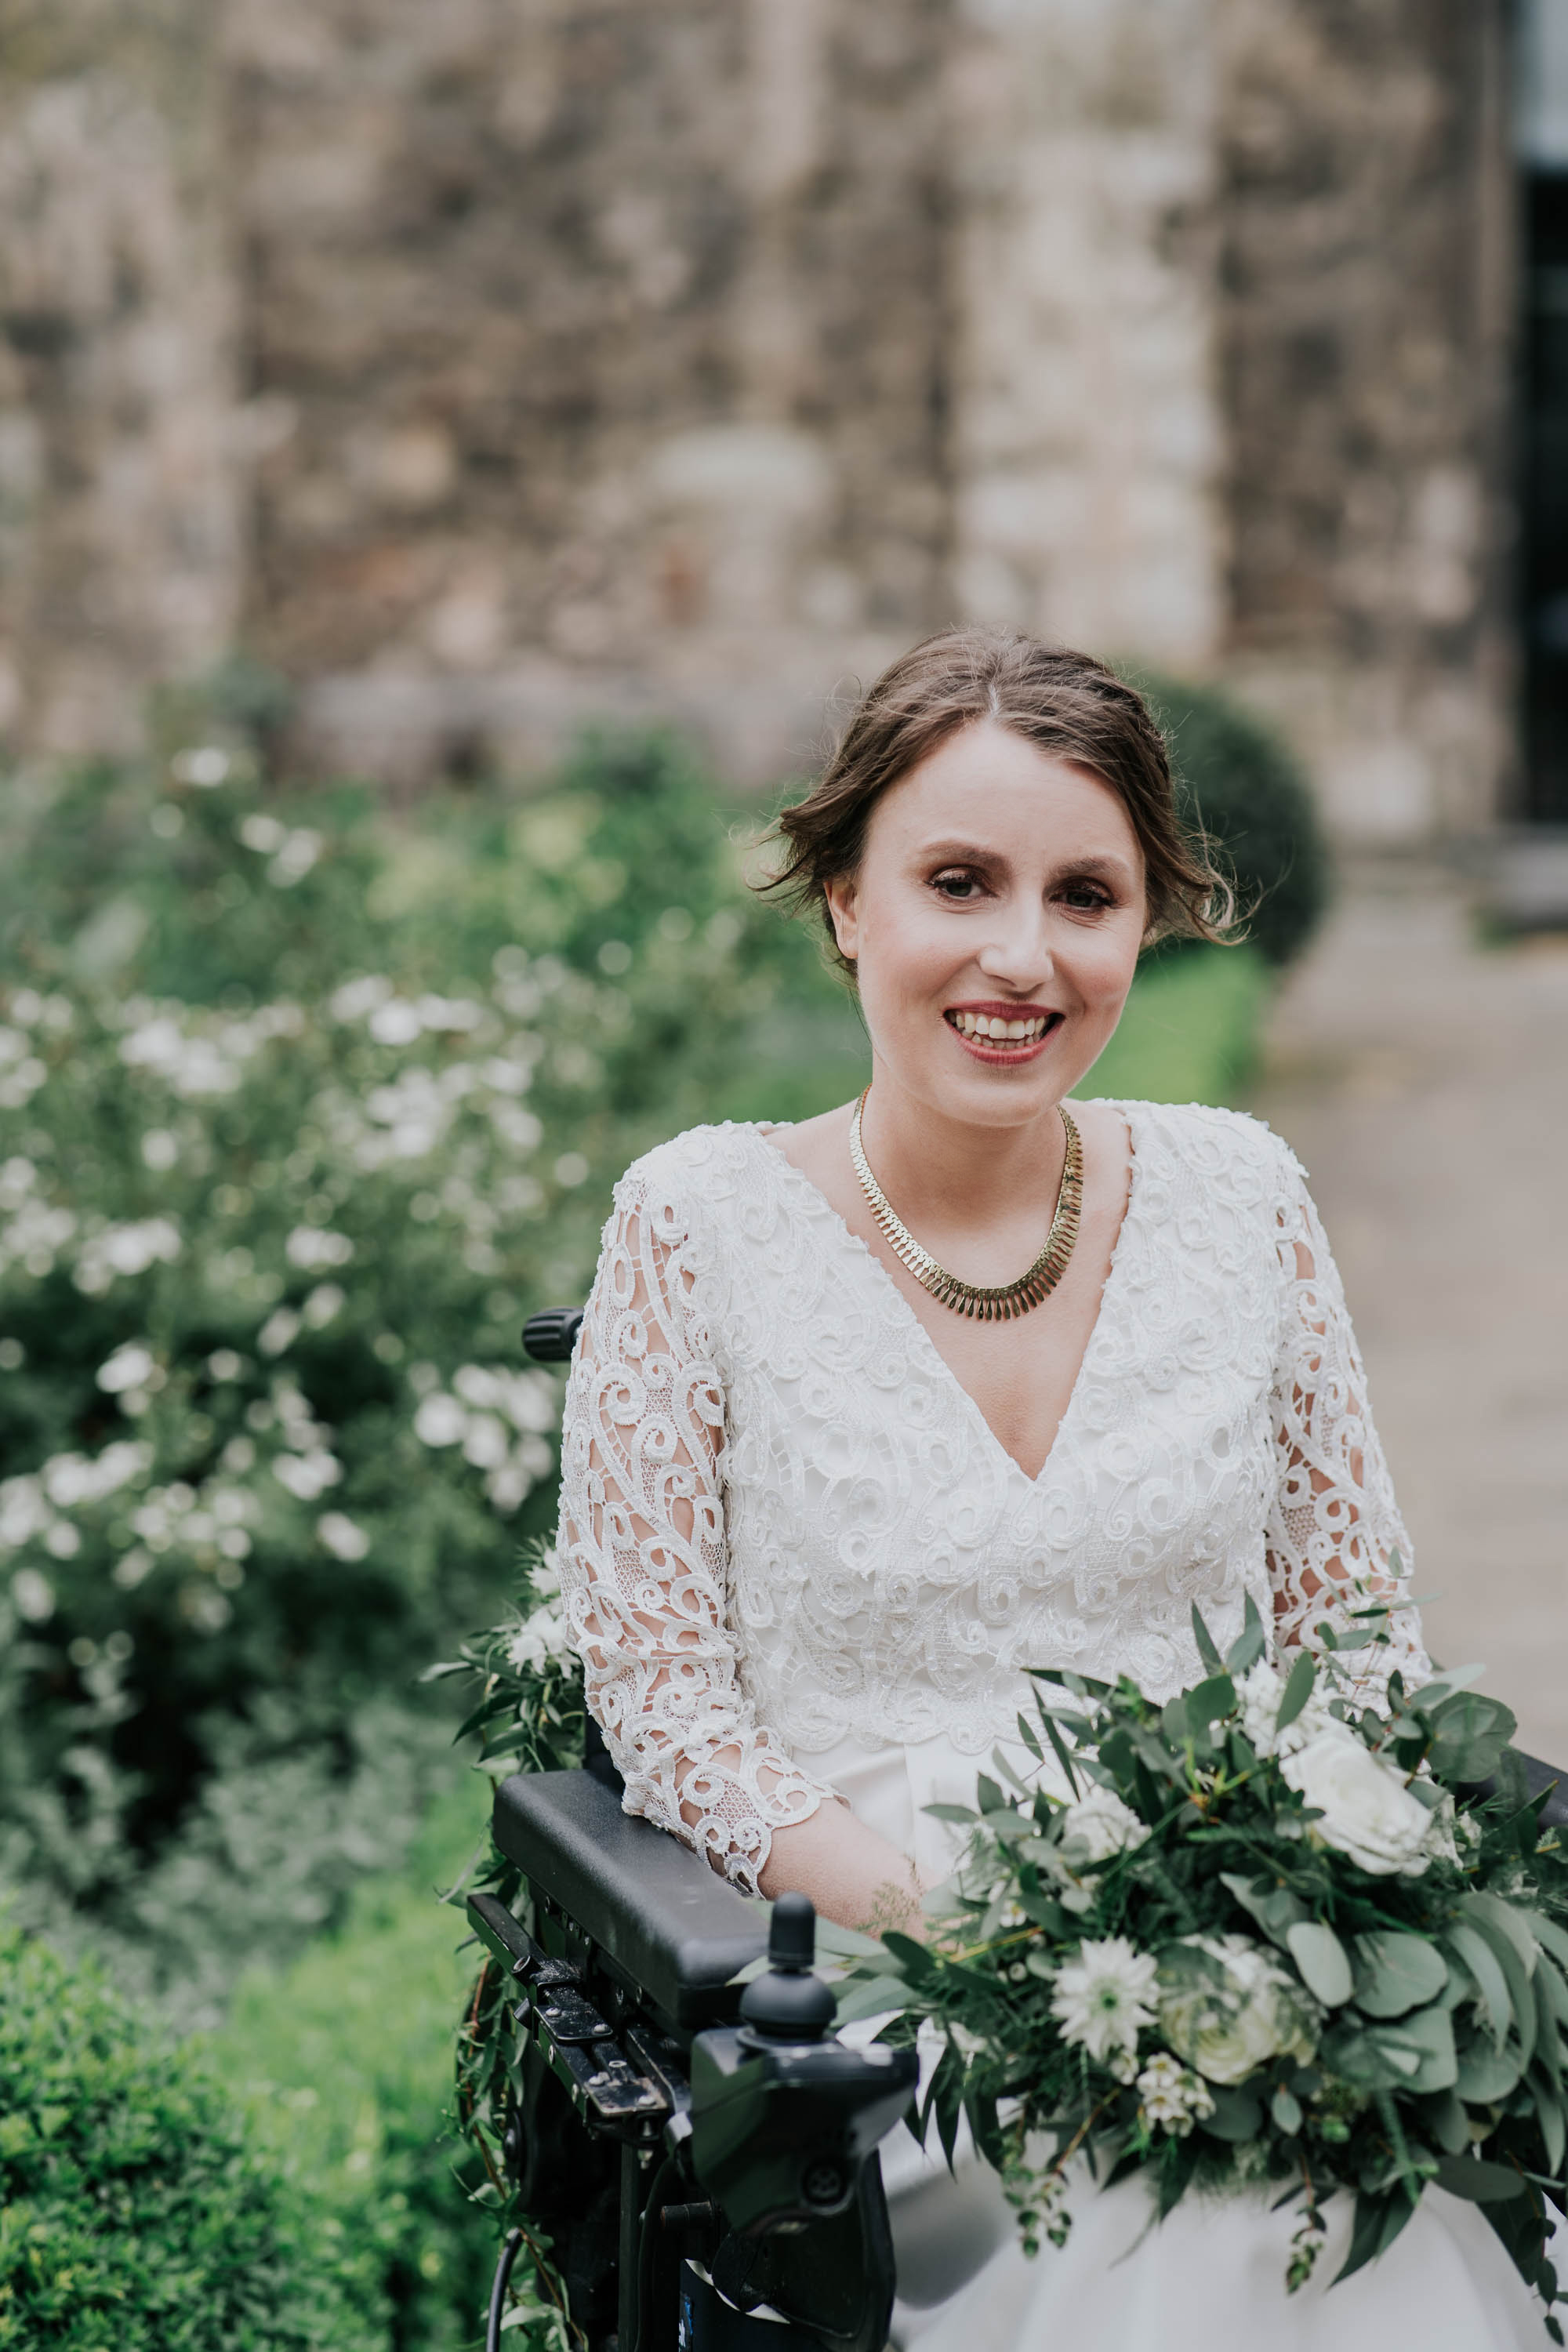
(34, 1596)
(306, 1475)
(1101, 1825)
(1367, 1811)
(1105, 1996)
(129, 1368)
(1228, 2028)
(1260, 1692)
(543, 1637)
(279, 1332)
(342, 1537)
(311, 1246)
(440, 1419)
(1173, 2096)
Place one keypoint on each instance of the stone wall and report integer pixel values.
(492, 365)
(1365, 319)
(122, 449)
(602, 353)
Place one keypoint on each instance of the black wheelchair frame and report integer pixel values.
(703, 2157)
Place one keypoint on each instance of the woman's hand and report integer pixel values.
(853, 1875)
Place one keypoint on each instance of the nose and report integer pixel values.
(1017, 952)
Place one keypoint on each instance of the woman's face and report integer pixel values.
(998, 888)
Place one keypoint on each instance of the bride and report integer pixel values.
(837, 1472)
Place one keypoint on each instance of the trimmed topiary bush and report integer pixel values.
(134, 2218)
(1239, 781)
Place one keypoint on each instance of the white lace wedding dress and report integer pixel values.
(802, 1569)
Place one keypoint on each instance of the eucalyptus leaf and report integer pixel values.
(1275, 1909)
(1249, 1644)
(1298, 1685)
(1395, 1972)
(1237, 2114)
(1322, 1959)
(1478, 1957)
(1378, 2222)
(1286, 2111)
(1442, 2117)
(1207, 1649)
(1483, 2182)
(1482, 1916)
(1484, 2074)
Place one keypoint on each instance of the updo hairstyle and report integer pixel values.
(1067, 704)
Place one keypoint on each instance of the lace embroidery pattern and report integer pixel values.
(783, 1522)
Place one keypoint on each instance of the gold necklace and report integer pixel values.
(968, 1298)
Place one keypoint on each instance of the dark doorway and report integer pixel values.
(1544, 494)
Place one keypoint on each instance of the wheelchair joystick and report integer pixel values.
(789, 2003)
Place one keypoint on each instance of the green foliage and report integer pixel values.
(1190, 1030)
(134, 2217)
(1269, 1937)
(1240, 783)
(341, 2063)
(303, 1113)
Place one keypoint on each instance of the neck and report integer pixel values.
(942, 1170)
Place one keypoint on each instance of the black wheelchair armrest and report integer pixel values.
(1539, 1776)
(662, 1918)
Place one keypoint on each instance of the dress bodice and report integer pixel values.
(784, 1521)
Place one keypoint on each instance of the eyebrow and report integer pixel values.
(1109, 868)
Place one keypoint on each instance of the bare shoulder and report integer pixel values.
(812, 1145)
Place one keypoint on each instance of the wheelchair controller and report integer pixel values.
(702, 2154)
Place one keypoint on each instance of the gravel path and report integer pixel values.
(1424, 1081)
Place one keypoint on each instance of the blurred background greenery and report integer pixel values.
(305, 1105)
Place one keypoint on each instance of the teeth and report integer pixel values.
(993, 1029)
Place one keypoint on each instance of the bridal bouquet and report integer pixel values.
(1259, 1938)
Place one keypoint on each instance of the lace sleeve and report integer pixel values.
(643, 1557)
(1335, 1539)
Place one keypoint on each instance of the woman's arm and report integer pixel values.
(644, 1576)
(1335, 1540)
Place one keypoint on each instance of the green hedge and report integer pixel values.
(342, 2064)
(134, 2217)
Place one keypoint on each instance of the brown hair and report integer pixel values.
(1068, 704)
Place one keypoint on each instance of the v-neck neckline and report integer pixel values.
(764, 1129)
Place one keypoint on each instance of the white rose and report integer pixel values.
(1099, 1825)
(1227, 2031)
(1260, 1690)
(1367, 1810)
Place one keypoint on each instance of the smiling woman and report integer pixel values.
(873, 1414)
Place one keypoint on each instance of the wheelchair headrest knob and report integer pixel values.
(789, 2003)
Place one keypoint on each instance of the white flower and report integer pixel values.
(309, 1248)
(204, 765)
(1099, 1825)
(72, 1478)
(33, 1594)
(159, 1149)
(342, 1536)
(545, 1635)
(297, 854)
(440, 1419)
(128, 1367)
(262, 833)
(280, 1330)
(1367, 1810)
(396, 1023)
(1229, 2027)
(546, 1576)
(1104, 1998)
(1260, 1690)
(306, 1476)
(1172, 2097)
(327, 1300)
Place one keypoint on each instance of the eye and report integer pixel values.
(1086, 897)
(957, 883)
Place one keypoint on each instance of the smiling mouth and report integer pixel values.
(1003, 1034)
